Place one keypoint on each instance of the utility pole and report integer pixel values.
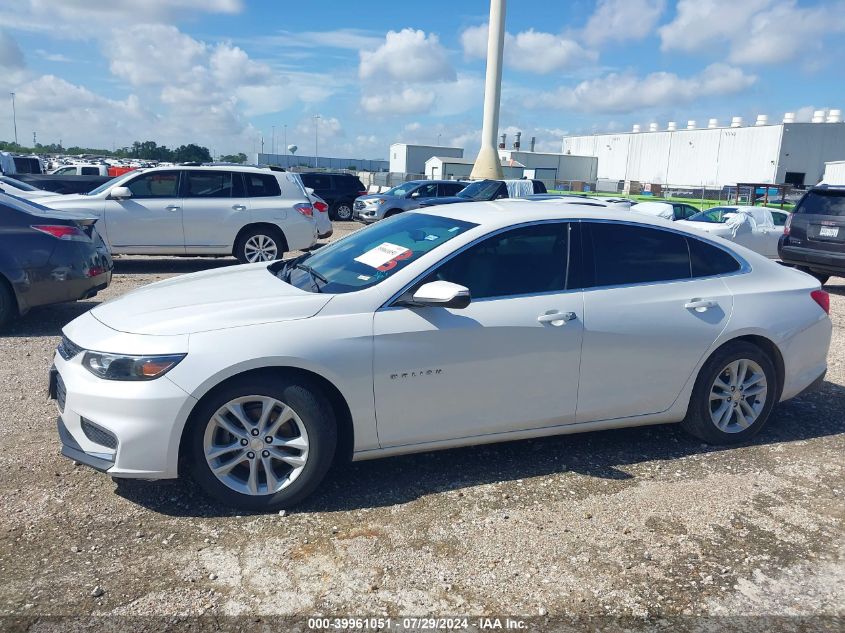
(14, 117)
(262, 143)
(487, 164)
(316, 138)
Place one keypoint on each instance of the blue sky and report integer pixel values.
(224, 72)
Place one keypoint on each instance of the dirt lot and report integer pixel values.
(640, 522)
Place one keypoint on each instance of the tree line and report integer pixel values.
(140, 150)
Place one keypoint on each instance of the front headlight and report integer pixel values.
(125, 367)
(376, 202)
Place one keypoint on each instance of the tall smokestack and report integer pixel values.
(503, 144)
(533, 142)
(516, 142)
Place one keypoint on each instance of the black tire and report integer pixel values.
(315, 413)
(342, 211)
(246, 240)
(698, 421)
(8, 304)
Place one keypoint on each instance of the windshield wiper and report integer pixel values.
(315, 276)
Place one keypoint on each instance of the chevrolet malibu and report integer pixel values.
(457, 325)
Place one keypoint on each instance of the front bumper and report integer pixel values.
(145, 417)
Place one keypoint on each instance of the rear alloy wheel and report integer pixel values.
(260, 245)
(733, 395)
(263, 445)
(343, 211)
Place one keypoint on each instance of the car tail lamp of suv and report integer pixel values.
(822, 298)
(787, 224)
(305, 209)
(322, 207)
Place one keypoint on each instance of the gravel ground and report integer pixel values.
(636, 523)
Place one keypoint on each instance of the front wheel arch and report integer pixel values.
(343, 415)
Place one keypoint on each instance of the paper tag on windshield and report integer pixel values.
(381, 254)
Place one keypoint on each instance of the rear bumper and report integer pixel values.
(818, 260)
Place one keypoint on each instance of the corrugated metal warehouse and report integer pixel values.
(410, 159)
(788, 152)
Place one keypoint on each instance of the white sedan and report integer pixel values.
(754, 227)
(461, 324)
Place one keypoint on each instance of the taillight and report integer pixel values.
(822, 298)
(787, 225)
(62, 232)
(305, 209)
(322, 207)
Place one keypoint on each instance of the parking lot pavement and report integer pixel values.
(636, 522)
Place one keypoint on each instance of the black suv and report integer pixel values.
(814, 235)
(338, 190)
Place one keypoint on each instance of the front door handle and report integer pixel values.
(238, 207)
(700, 305)
(556, 318)
(173, 207)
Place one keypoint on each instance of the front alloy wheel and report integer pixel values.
(256, 445)
(262, 442)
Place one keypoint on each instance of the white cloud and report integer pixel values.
(408, 55)
(628, 93)
(11, 56)
(352, 39)
(755, 31)
(530, 51)
(620, 20)
(408, 101)
(53, 57)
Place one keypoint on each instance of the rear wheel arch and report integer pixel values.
(343, 415)
(8, 289)
(267, 226)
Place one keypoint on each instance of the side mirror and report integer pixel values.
(416, 194)
(120, 193)
(440, 294)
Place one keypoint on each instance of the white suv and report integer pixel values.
(253, 213)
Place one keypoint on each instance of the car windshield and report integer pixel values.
(481, 190)
(370, 255)
(18, 184)
(716, 215)
(402, 190)
(823, 202)
(108, 184)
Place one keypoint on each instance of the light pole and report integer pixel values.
(316, 138)
(273, 142)
(438, 140)
(287, 162)
(14, 117)
(487, 164)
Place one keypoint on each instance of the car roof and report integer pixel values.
(244, 168)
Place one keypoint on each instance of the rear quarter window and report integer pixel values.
(708, 260)
(262, 185)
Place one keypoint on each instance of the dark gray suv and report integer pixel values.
(377, 206)
(814, 236)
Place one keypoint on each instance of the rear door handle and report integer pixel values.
(239, 207)
(173, 207)
(700, 305)
(556, 318)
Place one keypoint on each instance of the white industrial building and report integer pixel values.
(547, 166)
(788, 152)
(447, 168)
(410, 159)
(834, 172)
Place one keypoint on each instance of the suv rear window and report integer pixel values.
(262, 186)
(823, 202)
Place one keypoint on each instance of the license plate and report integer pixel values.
(829, 231)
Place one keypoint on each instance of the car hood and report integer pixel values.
(430, 202)
(374, 196)
(210, 300)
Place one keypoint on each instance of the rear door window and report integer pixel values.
(625, 254)
(262, 185)
(90, 171)
(208, 184)
(823, 202)
(317, 181)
